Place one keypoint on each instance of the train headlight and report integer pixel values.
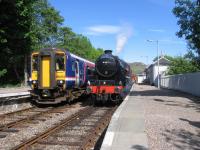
(34, 83)
(60, 82)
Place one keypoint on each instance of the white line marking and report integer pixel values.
(108, 138)
(14, 94)
(70, 79)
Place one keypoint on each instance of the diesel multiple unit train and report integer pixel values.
(58, 75)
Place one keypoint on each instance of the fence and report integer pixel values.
(189, 83)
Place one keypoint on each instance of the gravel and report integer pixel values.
(172, 119)
(13, 139)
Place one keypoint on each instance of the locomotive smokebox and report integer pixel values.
(106, 65)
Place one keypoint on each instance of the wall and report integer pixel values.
(189, 83)
(162, 69)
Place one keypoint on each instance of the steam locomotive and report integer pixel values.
(58, 75)
(112, 79)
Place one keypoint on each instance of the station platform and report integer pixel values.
(152, 118)
(11, 92)
(127, 127)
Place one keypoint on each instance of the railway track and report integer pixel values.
(11, 122)
(79, 131)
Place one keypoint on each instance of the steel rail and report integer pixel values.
(51, 130)
(31, 117)
(100, 126)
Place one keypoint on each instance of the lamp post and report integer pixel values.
(157, 43)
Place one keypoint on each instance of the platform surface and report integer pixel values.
(127, 127)
(152, 118)
(18, 91)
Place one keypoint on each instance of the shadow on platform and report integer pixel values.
(182, 139)
(193, 103)
(138, 147)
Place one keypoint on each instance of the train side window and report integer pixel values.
(35, 63)
(76, 66)
(89, 71)
(60, 62)
(73, 66)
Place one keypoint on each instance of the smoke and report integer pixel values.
(123, 36)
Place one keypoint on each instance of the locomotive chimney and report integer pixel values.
(108, 51)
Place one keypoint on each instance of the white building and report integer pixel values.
(141, 78)
(152, 70)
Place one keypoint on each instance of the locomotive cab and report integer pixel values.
(48, 74)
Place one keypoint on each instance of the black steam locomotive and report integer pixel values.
(112, 79)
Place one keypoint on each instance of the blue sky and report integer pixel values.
(125, 26)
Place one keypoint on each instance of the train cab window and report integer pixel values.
(60, 62)
(35, 63)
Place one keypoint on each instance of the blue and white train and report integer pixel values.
(58, 75)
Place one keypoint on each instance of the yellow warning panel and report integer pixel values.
(45, 72)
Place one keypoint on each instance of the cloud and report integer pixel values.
(122, 32)
(157, 30)
(102, 29)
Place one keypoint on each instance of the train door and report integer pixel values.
(45, 71)
(77, 74)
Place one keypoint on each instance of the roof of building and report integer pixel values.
(162, 62)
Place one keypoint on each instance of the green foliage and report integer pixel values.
(46, 23)
(15, 20)
(187, 12)
(31, 25)
(3, 72)
(137, 67)
(78, 44)
(180, 65)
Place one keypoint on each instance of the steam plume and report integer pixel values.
(122, 37)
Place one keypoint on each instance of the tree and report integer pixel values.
(46, 24)
(15, 21)
(3, 72)
(187, 12)
(180, 65)
(29, 25)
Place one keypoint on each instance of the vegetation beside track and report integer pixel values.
(26, 26)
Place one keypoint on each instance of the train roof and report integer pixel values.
(80, 58)
(64, 50)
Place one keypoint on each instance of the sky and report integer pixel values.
(124, 26)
